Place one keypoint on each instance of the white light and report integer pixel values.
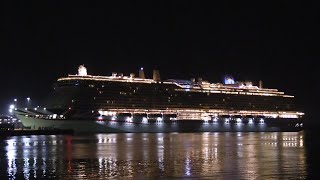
(229, 80)
(11, 106)
(35, 108)
(141, 68)
(15, 100)
(239, 121)
(227, 121)
(25, 108)
(144, 120)
(173, 118)
(44, 108)
(207, 118)
(10, 110)
(129, 119)
(28, 99)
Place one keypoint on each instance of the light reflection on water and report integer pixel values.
(175, 155)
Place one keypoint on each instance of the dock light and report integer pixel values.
(28, 99)
(11, 106)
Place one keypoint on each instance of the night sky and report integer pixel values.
(277, 43)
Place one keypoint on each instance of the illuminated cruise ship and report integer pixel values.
(118, 103)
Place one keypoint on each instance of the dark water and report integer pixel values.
(278, 155)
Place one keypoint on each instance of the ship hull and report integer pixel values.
(90, 126)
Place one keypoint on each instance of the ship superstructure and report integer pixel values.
(131, 99)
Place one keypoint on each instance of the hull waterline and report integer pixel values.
(90, 126)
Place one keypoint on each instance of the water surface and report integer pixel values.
(272, 155)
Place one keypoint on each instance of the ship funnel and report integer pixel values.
(82, 71)
(260, 85)
(156, 75)
(141, 73)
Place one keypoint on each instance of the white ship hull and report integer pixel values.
(90, 126)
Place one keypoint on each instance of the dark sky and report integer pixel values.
(276, 42)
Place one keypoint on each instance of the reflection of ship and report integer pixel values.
(120, 103)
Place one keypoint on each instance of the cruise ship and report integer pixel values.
(118, 103)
